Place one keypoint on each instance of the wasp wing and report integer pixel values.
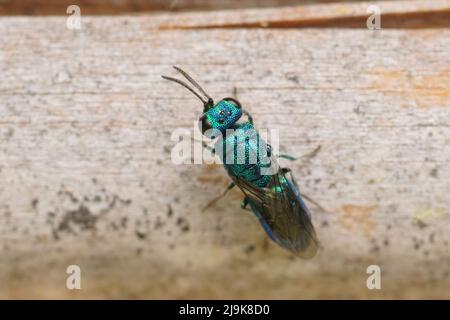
(282, 213)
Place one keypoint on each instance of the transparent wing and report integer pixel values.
(282, 213)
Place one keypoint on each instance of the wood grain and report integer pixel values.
(112, 7)
(87, 177)
(394, 14)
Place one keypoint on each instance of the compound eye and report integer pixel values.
(234, 101)
(205, 124)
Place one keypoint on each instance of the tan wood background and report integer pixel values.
(87, 179)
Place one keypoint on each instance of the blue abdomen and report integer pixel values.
(244, 154)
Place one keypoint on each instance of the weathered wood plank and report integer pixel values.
(103, 7)
(394, 14)
(86, 121)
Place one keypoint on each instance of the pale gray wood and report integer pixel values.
(393, 14)
(86, 176)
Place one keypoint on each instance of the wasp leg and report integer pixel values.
(284, 156)
(287, 170)
(314, 202)
(213, 201)
(244, 204)
(294, 181)
(307, 156)
(287, 157)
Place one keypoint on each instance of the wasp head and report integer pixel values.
(221, 116)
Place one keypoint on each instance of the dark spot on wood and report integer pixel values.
(420, 224)
(125, 202)
(34, 203)
(124, 222)
(68, 194)
(265, 245)
(158, 224)
(183, 224)
(357, 110)
(81, 217)
(9, 133)
(140, 235)
(292, 77)
(169, 211)
(417, 243)
(7, 214)
(235, 92)
(432, 237)
(434, 173)
(249, 249)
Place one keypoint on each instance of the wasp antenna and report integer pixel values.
(187, 87)
(192, 81)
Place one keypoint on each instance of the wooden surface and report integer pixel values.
(87, 179)
(394, 14)
(102, 7)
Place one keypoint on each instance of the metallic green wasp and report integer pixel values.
(270, 191)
